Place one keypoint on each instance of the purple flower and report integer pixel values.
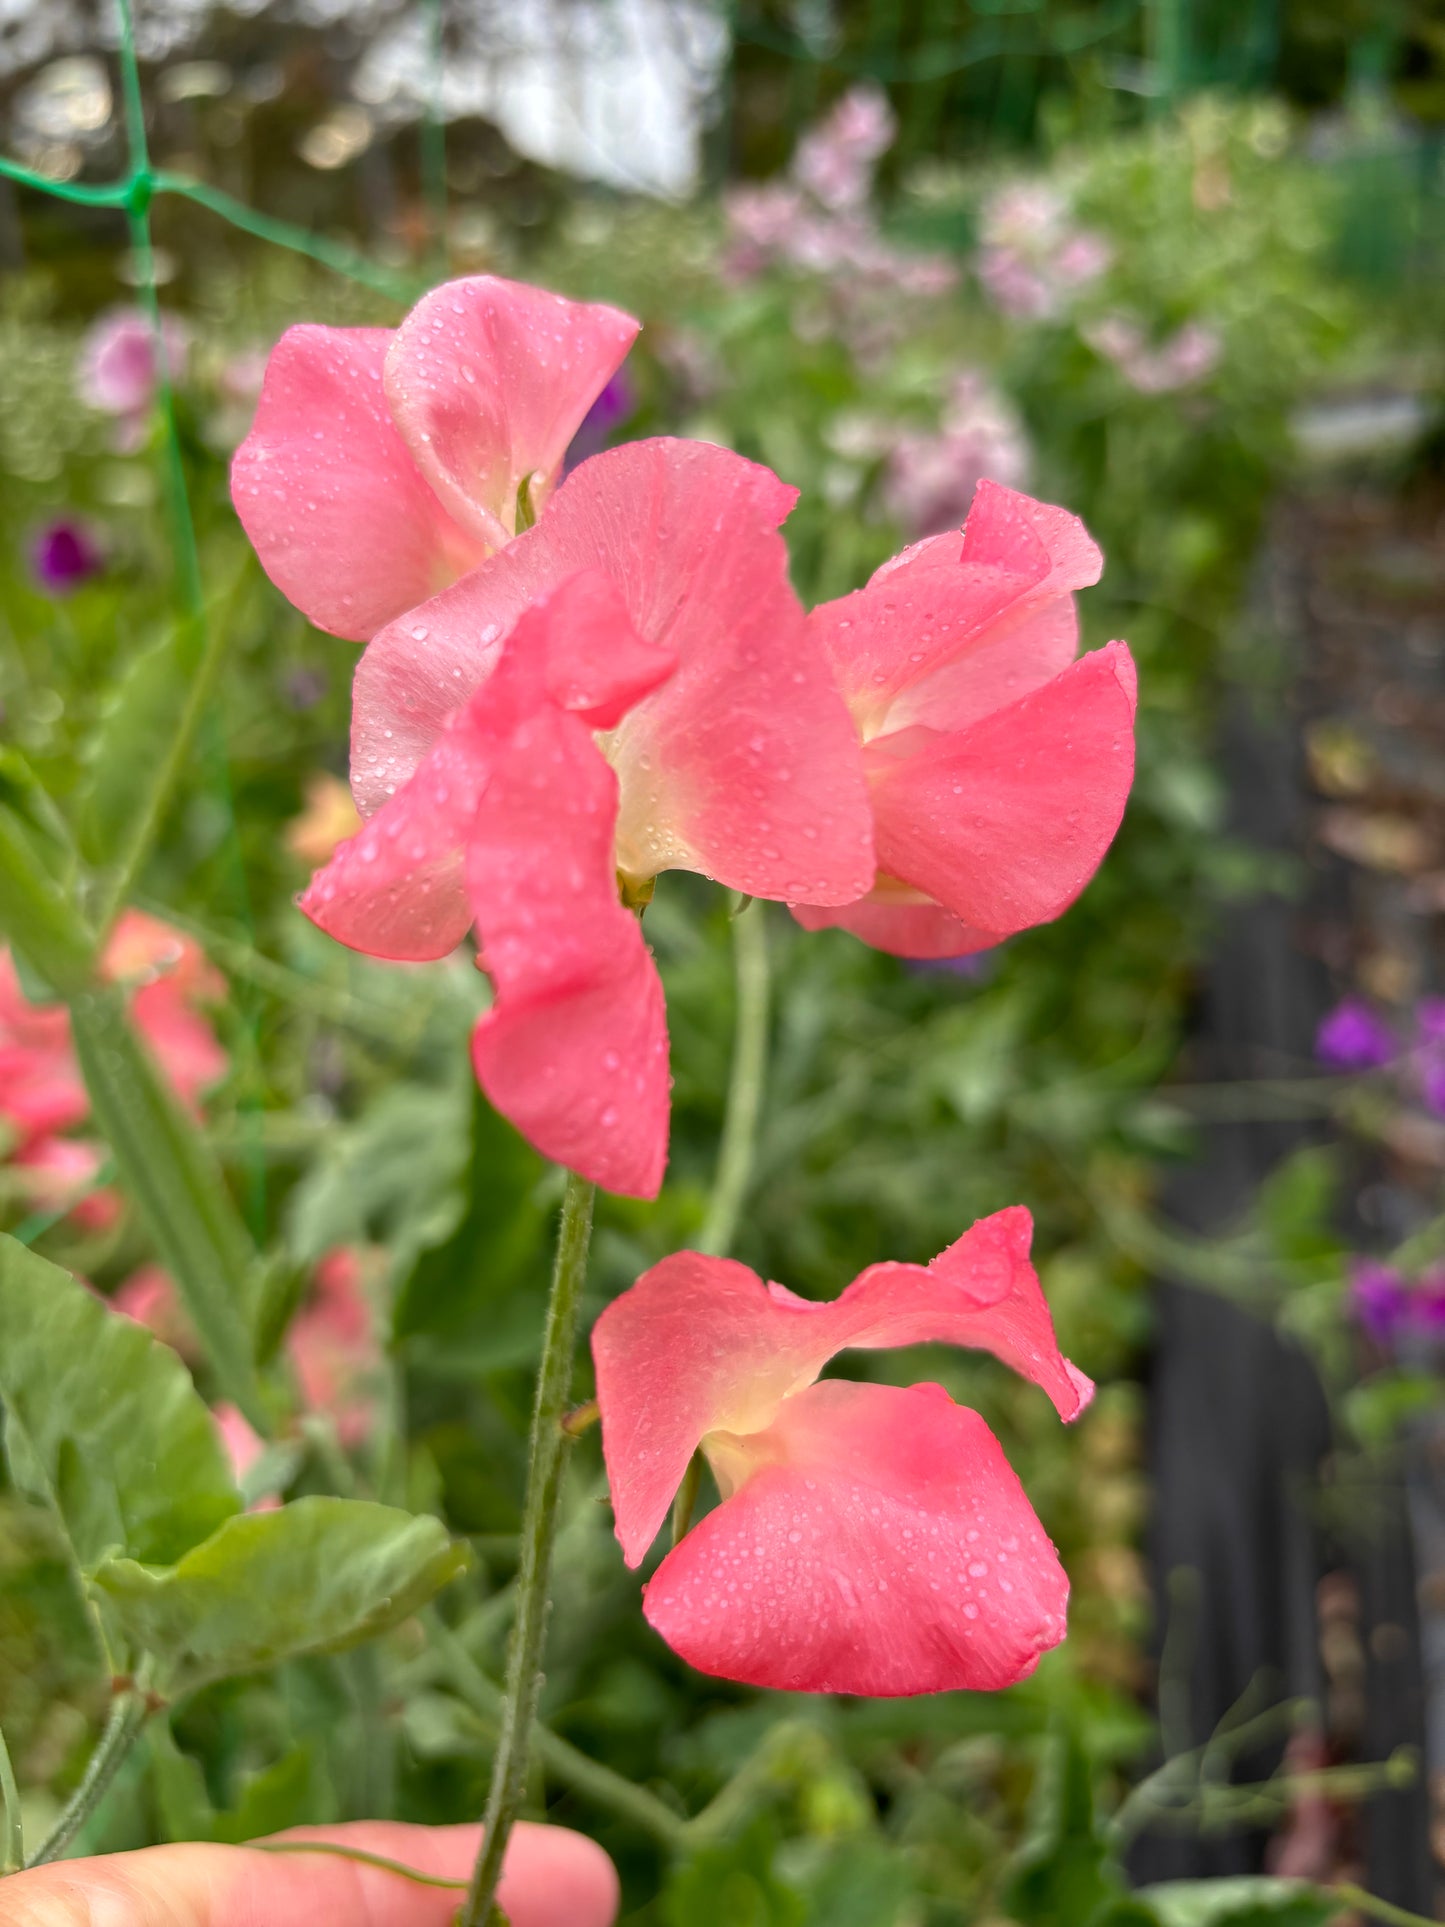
(63, 555)
(1354, 1038)
(1380, 1299)
(1429, 1304)
(1430, 1020)
(615, 405)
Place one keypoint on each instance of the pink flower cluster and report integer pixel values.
(1034, 261)
(627, 684)
(870, 1539)
(1185, 358)
(818, 219)
(42, 1094)
(930, 478)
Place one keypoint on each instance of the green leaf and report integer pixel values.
(1246, 1902)
(465, 1288)
(108, 1426)
(37, 917)
(168, 1170)
(312, 1577)
(132, 742)
(388, 1178)
(1065, 1874)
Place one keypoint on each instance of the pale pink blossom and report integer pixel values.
(119, 369)
(835, 160)
(1033, 261)
(930, 478)
(1180, 361)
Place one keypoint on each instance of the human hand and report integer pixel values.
(552, 1878)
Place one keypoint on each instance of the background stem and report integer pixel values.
(547, 1462)
(122, 1729)
(745, 1086)
(12, 1842)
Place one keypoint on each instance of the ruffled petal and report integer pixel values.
(744, 764)
(342, 519)
(701, 1345)
(905, 923)
(1004, 823)
(574, 1050)
(881, 1544)
(961, 624)
(489, 381)
(397, 889)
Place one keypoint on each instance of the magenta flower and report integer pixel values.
(998, 765)
(119, 370)
(63, 555)
(1353, 1037)
(615, 405)
(870, 1539)
(385, 463)
(1380, 1299)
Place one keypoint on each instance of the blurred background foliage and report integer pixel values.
(1258, 192)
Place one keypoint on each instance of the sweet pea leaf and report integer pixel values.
(311, 1577)
(1065, 1874)
(103, 1421)
(137, 727)
(1246, 1902)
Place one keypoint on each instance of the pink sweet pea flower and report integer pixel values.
(998, 765)
(333, 1346)
(384, 463)
(149, 1296)
(870, 1540)
(667, 711)
(42, 1093)
(244, 1447)
(59, 1173)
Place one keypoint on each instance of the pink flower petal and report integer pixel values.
(1005, 822)
(700, 1345)
(396, 889)
(880, 1544)
(905, 923)
(744, 764)
(574, 1050)
(488, 381)
(342, 519)
(959, 625)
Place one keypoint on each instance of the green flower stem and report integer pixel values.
(564, 1761)
(359, 1855)
(745, 1087)
(128, 1715)
(547, 1462)
(12, 1840)
(1351, 1896)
